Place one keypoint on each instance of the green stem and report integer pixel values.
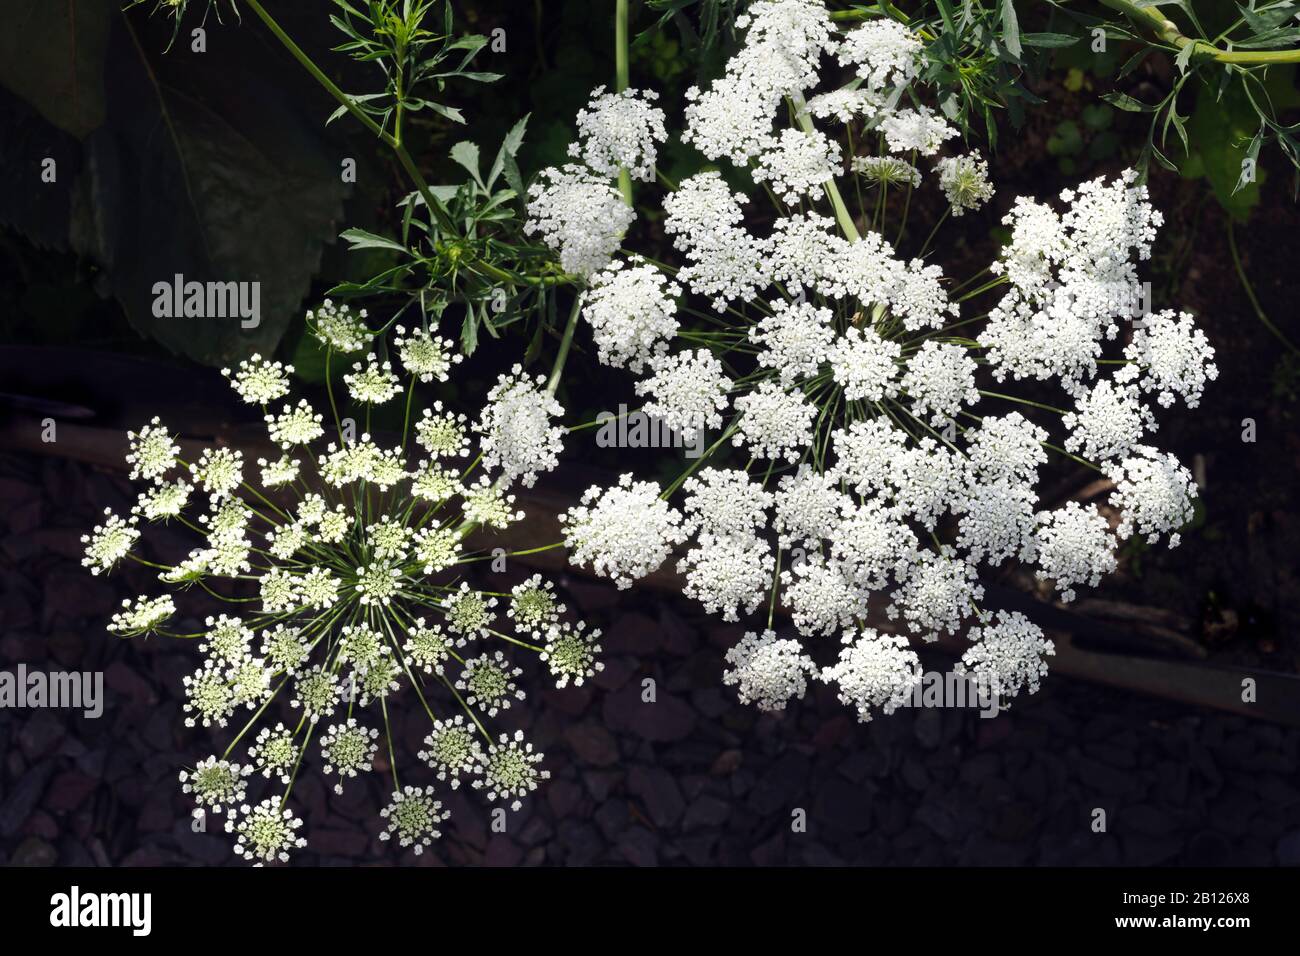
(566, 340)
(539, 550)
(1250, 292)
(435, 206)
(621, 73)
(1167, 31)
(842, 216)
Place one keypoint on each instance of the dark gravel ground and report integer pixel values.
(693, 778)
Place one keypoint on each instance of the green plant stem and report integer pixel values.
(842, 215)
(566, 340)
(436, 208)
(1250, 293)
(1165, 30)
(621, 73)
(538, 550)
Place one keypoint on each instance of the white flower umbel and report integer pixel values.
(807, 507)
(724, 502)
(1172, 356)
(1154, 493)
(767, 671)
(938, 593)
(570, 653)
(916, 131)
(884, 52)
(338, 327)
(216, 783)
(442, 434)
(875, 671)
(997, 523)
(219, 471)
(227, 639)
(845, 103)
(727, 574)
(1007, 656)
(534, 606)
(469, 613)
(265, 833)
(940, 379)
(886, 170)
(372, 382)
(259, 381)
(631, 311)
(109, 543)
(347, 749)
(413, 818)
(796, 252)
(295, 425)
(454, 750)
(426, 356)
(731, 119)
(703, 216)
(620, 131)
(488, 683)
(1109, 422)
(142, 616)
(508, 770)
(795, 339)
(624, 532)
(882, 426)
(164, 500)
(579, 215)
(152, 451)
(965, 181)
(1075, 546)
(517, 434)
(344, 568)
(428, 648)
(274, 752)
(797, 164)
(823, 596)
(864, 365)
(774, 423)
(687, 392)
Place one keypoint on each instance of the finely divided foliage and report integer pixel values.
(875, 399)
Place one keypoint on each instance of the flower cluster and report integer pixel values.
(881, 454)
(340, 569)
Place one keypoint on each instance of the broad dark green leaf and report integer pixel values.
(211, 174)
(52, 56)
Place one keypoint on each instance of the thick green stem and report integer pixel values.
(1167, 31)
(566, 340)
(621, 73)
(842, 215)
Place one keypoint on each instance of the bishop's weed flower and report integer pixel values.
(861, 414)
(345, 577)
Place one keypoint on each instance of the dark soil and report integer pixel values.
(693, 778)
